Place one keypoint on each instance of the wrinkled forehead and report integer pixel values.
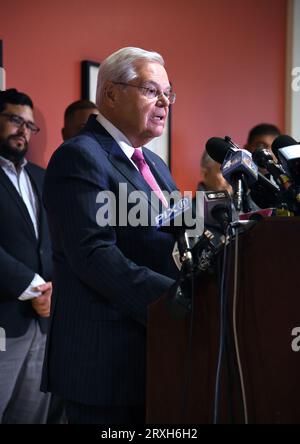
(152, 72)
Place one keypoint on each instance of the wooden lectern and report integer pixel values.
(181, 382)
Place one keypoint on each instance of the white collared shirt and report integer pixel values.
(126, 147)
(119, 137)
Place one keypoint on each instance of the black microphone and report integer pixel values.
(263, 192)
(290, 193)
(217, 209)
(287, 151)
(240, 171)
(281, 142)
(174, 220)
(218, 148)
(264, 159)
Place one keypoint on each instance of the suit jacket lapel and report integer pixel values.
(155, 171)
(122, 163)
(18, 200)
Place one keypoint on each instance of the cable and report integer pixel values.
(228, 353)
(189, 353)
(235, 329)
(222, 331)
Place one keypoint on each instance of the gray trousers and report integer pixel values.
(21, 401)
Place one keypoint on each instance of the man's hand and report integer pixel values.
(41, 304)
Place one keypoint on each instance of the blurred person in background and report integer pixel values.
(75, 117)
(262, 136)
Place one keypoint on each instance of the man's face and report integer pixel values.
(14, 139)
(264, 141)
(138, 117)
(76, 122)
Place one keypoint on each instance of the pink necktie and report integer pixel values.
(138, 159)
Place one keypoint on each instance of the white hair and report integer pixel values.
(121, 67)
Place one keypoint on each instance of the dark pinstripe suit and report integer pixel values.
(104, 278)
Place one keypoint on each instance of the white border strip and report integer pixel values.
(293, 70)
(2, 79)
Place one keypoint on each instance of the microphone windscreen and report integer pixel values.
(217, 148)
(281, 142)
(261, 157)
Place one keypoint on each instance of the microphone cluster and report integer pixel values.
(222, 214)
(197, 255)
(240, 169)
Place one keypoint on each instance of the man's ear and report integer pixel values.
(110, 93)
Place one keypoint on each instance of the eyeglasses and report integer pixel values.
(19, 122)
(151, 92)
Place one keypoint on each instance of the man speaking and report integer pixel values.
(106, 275)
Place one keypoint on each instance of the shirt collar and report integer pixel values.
(8, 164)
(119, 137)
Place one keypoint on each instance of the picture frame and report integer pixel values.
(2, 70)
(89, 74)
(159, 145)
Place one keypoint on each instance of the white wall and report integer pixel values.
(293, 70)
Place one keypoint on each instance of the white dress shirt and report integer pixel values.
(125, 146)
(119, 137)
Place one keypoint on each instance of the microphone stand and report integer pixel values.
(179, 301)
(240, 194)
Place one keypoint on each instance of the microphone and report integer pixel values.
(218, 148)
(217, 208)
(263, 158)
(173, 220)
(287, 151)
(240, 162)
(176, 220)
(290, 195)
(241, 172)
(204, 253)
(263, 192)
(281, 142)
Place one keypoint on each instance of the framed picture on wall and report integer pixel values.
(89, 74)
(2, 70)
(160, 145)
